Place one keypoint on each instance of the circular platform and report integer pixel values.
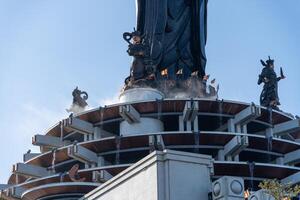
(63, 191)
(121, 151)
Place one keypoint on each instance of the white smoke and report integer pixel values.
(77, 109)
(110, 100)
(191, 88)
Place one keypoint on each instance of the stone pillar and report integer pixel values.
(261, 195)
(228, 188)
(162, 175)
(145, 124)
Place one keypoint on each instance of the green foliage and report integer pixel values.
(279, 190)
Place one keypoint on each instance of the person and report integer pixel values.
(213, 87)
(204, 84)
(269, 95)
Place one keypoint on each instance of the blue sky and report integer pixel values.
(49, 47)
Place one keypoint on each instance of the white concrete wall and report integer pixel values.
(168, 175)
(141, 186)
(185, 181)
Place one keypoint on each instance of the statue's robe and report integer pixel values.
(270, 90)
(176, 31)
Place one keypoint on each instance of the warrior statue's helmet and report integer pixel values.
(128, 36)
(136, 33)
(268, 62)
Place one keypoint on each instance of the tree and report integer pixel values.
(280, 191)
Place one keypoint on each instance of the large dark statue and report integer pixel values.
(172, 37)
(269, 96)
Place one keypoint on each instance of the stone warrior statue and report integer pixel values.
(269, 96)
(79, 101)
(139, 48)
(174, 34)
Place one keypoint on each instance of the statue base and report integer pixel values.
(140, 94)
(193, 87)
(146, 124)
